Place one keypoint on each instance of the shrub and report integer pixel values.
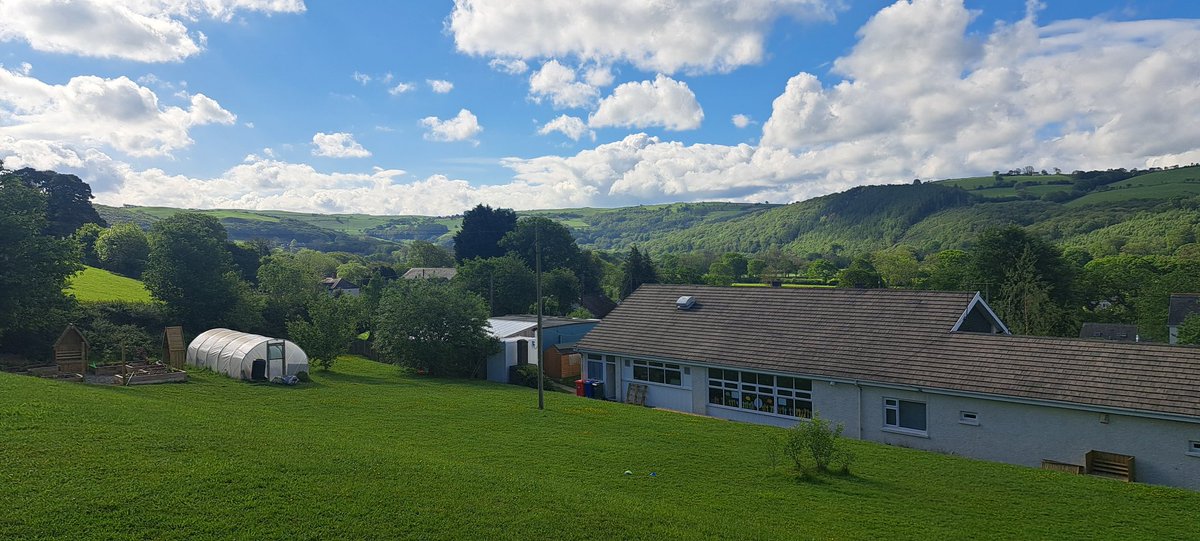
(817, 443)
(527, 375)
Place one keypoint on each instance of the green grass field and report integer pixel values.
(98, 285)
(1152, 191)
(366, 453)
(1170, 176)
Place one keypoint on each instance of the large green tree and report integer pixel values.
(435, 326)
(482, 229)
(190, 270)
(947, 270)
(34, 268)
(328, 330)
(860, 274)
(897, 265)
(505, 283)
(427, 254)
(86, 236)
(997, 250)
(123, 249)
(637, 269)
(559, 250)
(68, 200)
(562, 287)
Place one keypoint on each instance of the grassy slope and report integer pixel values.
(93, 285)
(366, 453)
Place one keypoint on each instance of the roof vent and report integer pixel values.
(685, 303)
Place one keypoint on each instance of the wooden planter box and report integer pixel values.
(1055, 465)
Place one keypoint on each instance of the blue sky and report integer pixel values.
(431, 107)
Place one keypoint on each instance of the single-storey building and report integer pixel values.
(1119, 332)
(1181, 306)
(518, 334)
(929, 370)
(427, 273)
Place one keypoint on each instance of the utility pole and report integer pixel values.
(537, 249)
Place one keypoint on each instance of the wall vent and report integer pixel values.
(685, 302)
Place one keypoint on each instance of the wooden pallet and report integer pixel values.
(636, 394)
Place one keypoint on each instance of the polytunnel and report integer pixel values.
(246, 356)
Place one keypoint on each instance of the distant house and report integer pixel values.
(340, 286)
(1182, 305)
(425, 273)
(518, 334)
(1118, 332)
(929, 370)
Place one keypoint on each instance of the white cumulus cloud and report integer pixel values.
(511, 66)
(921, 97)
(337, 145)
(557, 82)
(569, 126)
(662, 102)
(144, 31)
(664, 35)
(741, 121)
(92, 110)
(439, 86)
(463, 127)
(401, 88)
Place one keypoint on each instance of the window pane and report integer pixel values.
(656, 375)
(731, 398)
(714, 373)
(889, 417)
(804, 409)
(749, 377)
(640, 373)
(674, 377)
(805, 384)
(786, 406)
(912, 415)
(785, 382)
(715, 396)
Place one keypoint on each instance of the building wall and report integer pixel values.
(1013, 433)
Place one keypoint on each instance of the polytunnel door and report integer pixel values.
(275, 360)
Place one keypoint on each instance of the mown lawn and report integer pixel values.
(98, 285)
(366, 453)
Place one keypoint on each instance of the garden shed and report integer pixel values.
(246, 356)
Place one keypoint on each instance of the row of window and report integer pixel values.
(656, 372)
(781, 395)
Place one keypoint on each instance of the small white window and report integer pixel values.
(968, 418)
(1194, 448)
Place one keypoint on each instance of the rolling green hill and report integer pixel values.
(366, 453)
(98, 285)
(1084, 210)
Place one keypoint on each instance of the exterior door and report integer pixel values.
(610, 380)
(275, 359)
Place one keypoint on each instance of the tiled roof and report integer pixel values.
(1183, 306)
(894, 337)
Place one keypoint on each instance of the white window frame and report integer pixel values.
(1194, 448)
(656, 365)
(967, 417)
(771, 396)
(894, 405)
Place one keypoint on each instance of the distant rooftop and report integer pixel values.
(417, 273)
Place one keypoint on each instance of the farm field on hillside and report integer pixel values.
(1152, 191)
(98, 285)
(365, 452)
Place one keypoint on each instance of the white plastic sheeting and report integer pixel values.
(233, 353)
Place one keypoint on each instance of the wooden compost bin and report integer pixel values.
(71, 351)
(174, 350)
